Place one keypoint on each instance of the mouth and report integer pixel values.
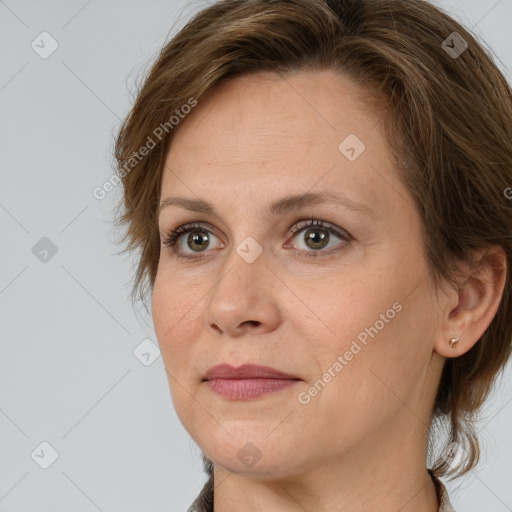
(248, 381)
(246, 371)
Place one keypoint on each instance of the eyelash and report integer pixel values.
(169, 239)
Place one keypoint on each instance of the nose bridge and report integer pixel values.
(244, 266)
(241, 294)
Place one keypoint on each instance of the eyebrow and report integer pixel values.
(279, 207)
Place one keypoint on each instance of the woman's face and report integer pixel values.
(345, 307)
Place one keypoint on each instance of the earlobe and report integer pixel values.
(478, 301)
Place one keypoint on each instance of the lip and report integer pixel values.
(246, 371)
(247, 382)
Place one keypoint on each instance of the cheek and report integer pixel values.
(176, 318)
(175, 310)
(369, 327)
(366, 370)
(352, 313)
(394, 357)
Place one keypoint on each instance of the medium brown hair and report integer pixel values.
(447, 119)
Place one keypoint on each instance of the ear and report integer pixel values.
(468, 311)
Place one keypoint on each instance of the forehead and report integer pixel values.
(267, 131)
(309, 107)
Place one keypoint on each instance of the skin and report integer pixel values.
(359, 444)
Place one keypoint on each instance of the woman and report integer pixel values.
(318, 191)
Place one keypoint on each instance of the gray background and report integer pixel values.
(69, 374)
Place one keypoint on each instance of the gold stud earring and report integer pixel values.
(453, 342)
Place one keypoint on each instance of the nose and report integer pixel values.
(243, 300)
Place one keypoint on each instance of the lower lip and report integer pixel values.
(245, 389)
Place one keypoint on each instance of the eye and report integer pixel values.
(315, 236)
(197, 240)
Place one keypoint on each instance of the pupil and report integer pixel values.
(318, 241)
(195, 238)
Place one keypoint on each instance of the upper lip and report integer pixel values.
(246, 371)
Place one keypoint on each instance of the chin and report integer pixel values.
(250, 456)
